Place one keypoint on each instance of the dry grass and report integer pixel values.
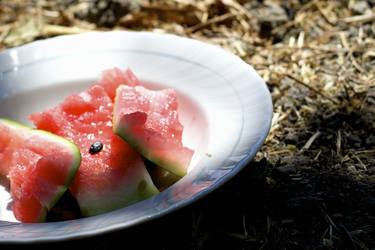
(313, 180)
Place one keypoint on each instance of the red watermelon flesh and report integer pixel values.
(112, 78)
(109, 179)
(148, 120)
(39, 165)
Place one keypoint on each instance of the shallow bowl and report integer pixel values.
(224, 105)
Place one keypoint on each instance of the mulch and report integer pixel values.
(311, 186)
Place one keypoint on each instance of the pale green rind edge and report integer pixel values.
(163, 163)
(99, 208)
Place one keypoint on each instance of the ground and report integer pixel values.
(312, 184)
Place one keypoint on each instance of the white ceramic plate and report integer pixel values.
(225, 108)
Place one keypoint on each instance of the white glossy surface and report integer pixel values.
(225, 107)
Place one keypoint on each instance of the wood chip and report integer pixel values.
(360, 18)
(310, 141)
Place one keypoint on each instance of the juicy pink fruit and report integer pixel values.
(148, 120)
(113, 177)
(112, 78)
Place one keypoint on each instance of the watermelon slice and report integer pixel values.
(40, 167)
(148, 120)
(112, 174)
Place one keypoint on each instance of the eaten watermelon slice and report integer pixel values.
(112, 174)
(148, 120)
(40, 167)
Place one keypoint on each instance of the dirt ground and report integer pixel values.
(312, 184)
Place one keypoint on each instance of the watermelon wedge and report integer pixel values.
(148, 120)
(40, 167)
(112, 174)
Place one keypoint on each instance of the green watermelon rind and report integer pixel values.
(124, 196)
(75, 152)
(168, 165)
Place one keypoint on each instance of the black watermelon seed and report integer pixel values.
(96, 147)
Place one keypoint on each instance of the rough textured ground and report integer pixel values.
(312, 184)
